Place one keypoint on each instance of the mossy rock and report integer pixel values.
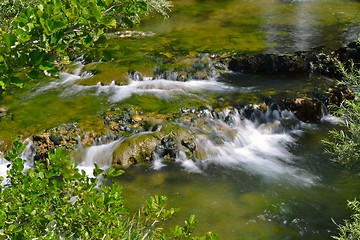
(134, 150)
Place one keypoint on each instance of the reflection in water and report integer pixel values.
(298, 35)
(264, 25)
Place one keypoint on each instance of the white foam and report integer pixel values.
(157, 163)
(4, 166)
(66, 79)
(257, 149)
(188, 164)
(164, 89)
(331, 119)
(101, 155)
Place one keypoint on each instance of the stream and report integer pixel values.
(264, 177)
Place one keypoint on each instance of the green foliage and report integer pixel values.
(343, 145)
(37, 36)
(55, 201)
(351, 229)
(350, 72)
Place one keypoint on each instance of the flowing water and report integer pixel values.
(264, 178)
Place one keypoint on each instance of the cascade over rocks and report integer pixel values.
(154, 135)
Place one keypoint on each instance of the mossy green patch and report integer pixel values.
(152, 104)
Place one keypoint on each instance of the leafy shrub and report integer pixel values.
(351, 229)
(37, 36)
(54, 200)
(343, 145)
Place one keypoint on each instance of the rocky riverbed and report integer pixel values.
(151, 134)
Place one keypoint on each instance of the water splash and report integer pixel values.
(157, 162)
(4, 166)
(66, 79)
(257, 147)
(101, 155)
(27, 156)
(161, 88)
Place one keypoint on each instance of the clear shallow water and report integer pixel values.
(263, 25)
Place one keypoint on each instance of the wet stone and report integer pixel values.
(189, 145)
(135, 75)
(55, 139)
(3, 111)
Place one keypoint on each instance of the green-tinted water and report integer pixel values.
(233, 202)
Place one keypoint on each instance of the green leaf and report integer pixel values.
(16, 81)
(114, 173)
(95, 10)
(97, 171)
(143, 7)
(36, 57)
(47, 66)
(58, 25)
(2, 84)
(23, 35)
(109, 22)
(34, 74)
(9, 39)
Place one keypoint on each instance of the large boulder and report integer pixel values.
(138, 148)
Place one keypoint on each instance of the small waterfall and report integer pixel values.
(101, 155)
(157, 162)
(162, 88)
(4, 164)
(257, 143)
(27, 155)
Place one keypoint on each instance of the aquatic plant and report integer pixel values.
(53, 200)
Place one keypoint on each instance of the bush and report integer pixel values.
(343, 145)
(37, 36)
(55, 201)
(351, 229)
